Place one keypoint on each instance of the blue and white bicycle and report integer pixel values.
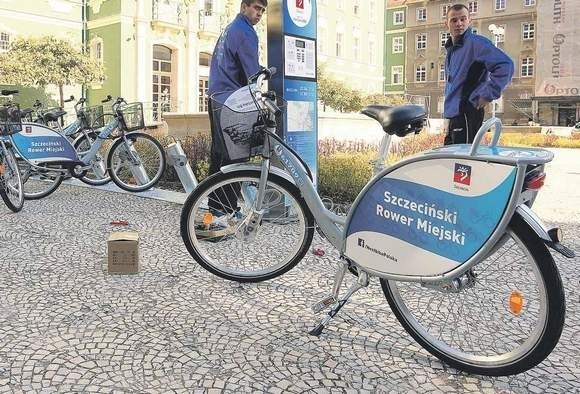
(462, 259)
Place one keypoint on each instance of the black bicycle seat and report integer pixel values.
(53, 116)
(400, 120)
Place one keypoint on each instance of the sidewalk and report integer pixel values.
(68, 326)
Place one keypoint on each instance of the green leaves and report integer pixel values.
(47, 61)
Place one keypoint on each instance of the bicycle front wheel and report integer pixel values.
(39, 182)
(10, 181)
(283, 232)
(505, 322)
(136, 162)
(97, 174)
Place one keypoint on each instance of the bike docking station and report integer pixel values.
(176, 157)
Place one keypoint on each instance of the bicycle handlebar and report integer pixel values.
(68, 100)
(8, 92)
(107, 99)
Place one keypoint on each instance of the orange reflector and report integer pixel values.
(207, 219)
(516, 302)
(1, 168)
(132, 180)
(536, 182)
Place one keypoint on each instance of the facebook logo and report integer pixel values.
(361, 242)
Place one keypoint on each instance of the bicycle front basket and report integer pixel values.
(131, 116)
(92, 117)
(239, 131)
(10, 119)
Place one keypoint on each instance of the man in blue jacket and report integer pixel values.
(477, 72)
(235, 58)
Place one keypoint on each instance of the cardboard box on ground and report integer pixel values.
(123, 252)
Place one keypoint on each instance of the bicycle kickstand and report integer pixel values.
(363, 281)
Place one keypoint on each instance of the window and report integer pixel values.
(372, 50)
(499, 37)
(420, 73)
(396, 75)
(203, 85)
(4, 41)
(440, 104)
(528, 31)
(442, 72)
(444, 10)
(443, 37)
(498, 104)
(473, 7)
(356, 6)
(529, 3)
(96, 49)
(500, 5)
(398, 17)
(422, 14)
(321, 40)
(340, 4)
(162, 79)
(421, 41)
(356, 48)
(338, 52)
(397, 44)
(527, 69)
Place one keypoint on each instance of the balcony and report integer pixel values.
(167, 14)
(210, 24)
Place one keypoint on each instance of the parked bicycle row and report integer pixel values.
(37, 152)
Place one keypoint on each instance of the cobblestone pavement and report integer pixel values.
(68, 326)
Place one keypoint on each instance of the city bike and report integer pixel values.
(135, 160)
(11, 189)
(462, 259)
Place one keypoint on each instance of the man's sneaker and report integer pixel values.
(215, 227)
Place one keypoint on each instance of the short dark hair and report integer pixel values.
(249, 2)
(457, 7)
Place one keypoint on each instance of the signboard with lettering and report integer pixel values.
(429, 216)
(40, 144)
(556, 35)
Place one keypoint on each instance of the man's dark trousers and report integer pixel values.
(462, 128)
(225, 199)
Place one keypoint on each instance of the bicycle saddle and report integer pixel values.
(400, 120)
(53, 116)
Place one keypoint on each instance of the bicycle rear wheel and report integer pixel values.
(38, 183)
(506, 323)
(10, 181)
(283, 236)
(138, 164)
(97, 174)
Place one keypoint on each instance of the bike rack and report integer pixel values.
(177, 158)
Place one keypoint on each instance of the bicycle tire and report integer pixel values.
(82, 144)
(285, 232)
(37, 183)
(517, 348)
(10, 181)
(151, 157)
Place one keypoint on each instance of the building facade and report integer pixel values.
(350, 40)
(395, 47)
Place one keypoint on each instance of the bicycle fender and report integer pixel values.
(245, 166)
(548, 236)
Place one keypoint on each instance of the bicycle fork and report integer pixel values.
(332, 299)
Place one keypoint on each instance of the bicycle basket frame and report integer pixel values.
(239, 132)
(131, 116)
(10, 119)
(92, 117)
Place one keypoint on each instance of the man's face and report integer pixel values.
(457, 22)
(253, 12)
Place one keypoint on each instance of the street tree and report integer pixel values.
(42, 61)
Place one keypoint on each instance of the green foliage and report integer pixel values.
(337, 95)
(47, 61)
(537, 140)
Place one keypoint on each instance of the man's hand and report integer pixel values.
(482, 103)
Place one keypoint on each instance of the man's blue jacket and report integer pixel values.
(474, 68)
(235, 57)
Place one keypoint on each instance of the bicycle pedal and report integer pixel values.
(324, 303)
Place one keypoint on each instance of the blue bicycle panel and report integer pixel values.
(40, 144)
(427, 217)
